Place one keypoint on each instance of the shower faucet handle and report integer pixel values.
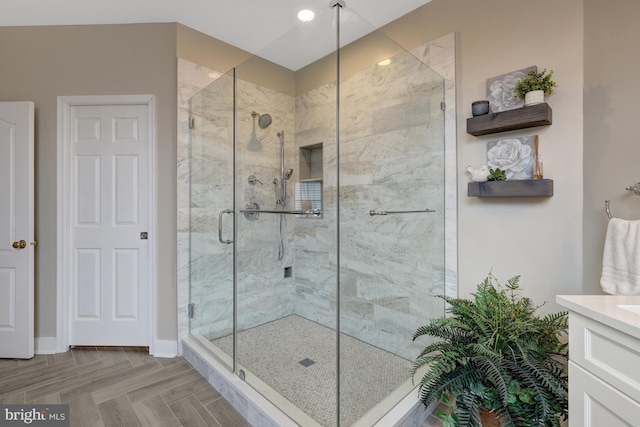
(253, 180)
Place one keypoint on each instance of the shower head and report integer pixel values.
(264, 120)
(288, 174)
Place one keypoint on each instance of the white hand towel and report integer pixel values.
(621, 259)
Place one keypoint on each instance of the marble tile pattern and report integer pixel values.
(439, 55)
(263, 293)
(391, 158)
(191, 79)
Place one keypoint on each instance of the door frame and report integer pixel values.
(64, 258)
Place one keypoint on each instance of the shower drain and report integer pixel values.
(307, 362)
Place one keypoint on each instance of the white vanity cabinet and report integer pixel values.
(604, 360)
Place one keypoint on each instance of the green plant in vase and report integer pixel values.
(497, 359)
(534, 86)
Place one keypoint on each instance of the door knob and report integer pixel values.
(19, 245)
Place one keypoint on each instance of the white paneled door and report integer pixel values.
(16, 230)
(109, 182)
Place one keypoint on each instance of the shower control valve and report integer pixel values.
(253, 180)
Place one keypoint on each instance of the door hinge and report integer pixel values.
(190, 308)
(443, 106)
(192, 122)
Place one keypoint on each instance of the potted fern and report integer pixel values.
(534, 86)
(501, 362)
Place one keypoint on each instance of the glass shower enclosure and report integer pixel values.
(317, 219)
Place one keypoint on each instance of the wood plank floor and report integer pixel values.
(117, 387)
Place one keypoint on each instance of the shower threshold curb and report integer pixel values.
(260, 412)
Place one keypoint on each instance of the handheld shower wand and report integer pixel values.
(281, 192)
(285, 178)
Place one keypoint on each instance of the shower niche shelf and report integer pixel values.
(515, 188)
(309, 185)
(521, 118)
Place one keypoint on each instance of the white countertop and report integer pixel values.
(607, 309)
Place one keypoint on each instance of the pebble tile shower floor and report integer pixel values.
(297, 358)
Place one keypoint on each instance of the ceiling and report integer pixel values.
(252, 25)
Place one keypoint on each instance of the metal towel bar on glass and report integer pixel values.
(314, 212)
(374, 212)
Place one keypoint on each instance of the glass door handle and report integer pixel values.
(220, 215)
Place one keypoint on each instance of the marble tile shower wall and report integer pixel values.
(370, 307)
(391, 158)
(211, 262)
(263, 292)
(439, 55)
(192, 78)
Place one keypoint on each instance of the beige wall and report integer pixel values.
(539, 239)
(611, 142)
(41, 63)
(201, 49)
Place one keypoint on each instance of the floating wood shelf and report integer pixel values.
(514, 188)
(521, 118)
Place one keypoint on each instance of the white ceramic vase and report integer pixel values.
(534, 97)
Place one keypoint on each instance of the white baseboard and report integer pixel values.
(161, 348)
(164, 348)
(46, 345)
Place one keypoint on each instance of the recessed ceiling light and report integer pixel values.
(306, 15)
(385, 62)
